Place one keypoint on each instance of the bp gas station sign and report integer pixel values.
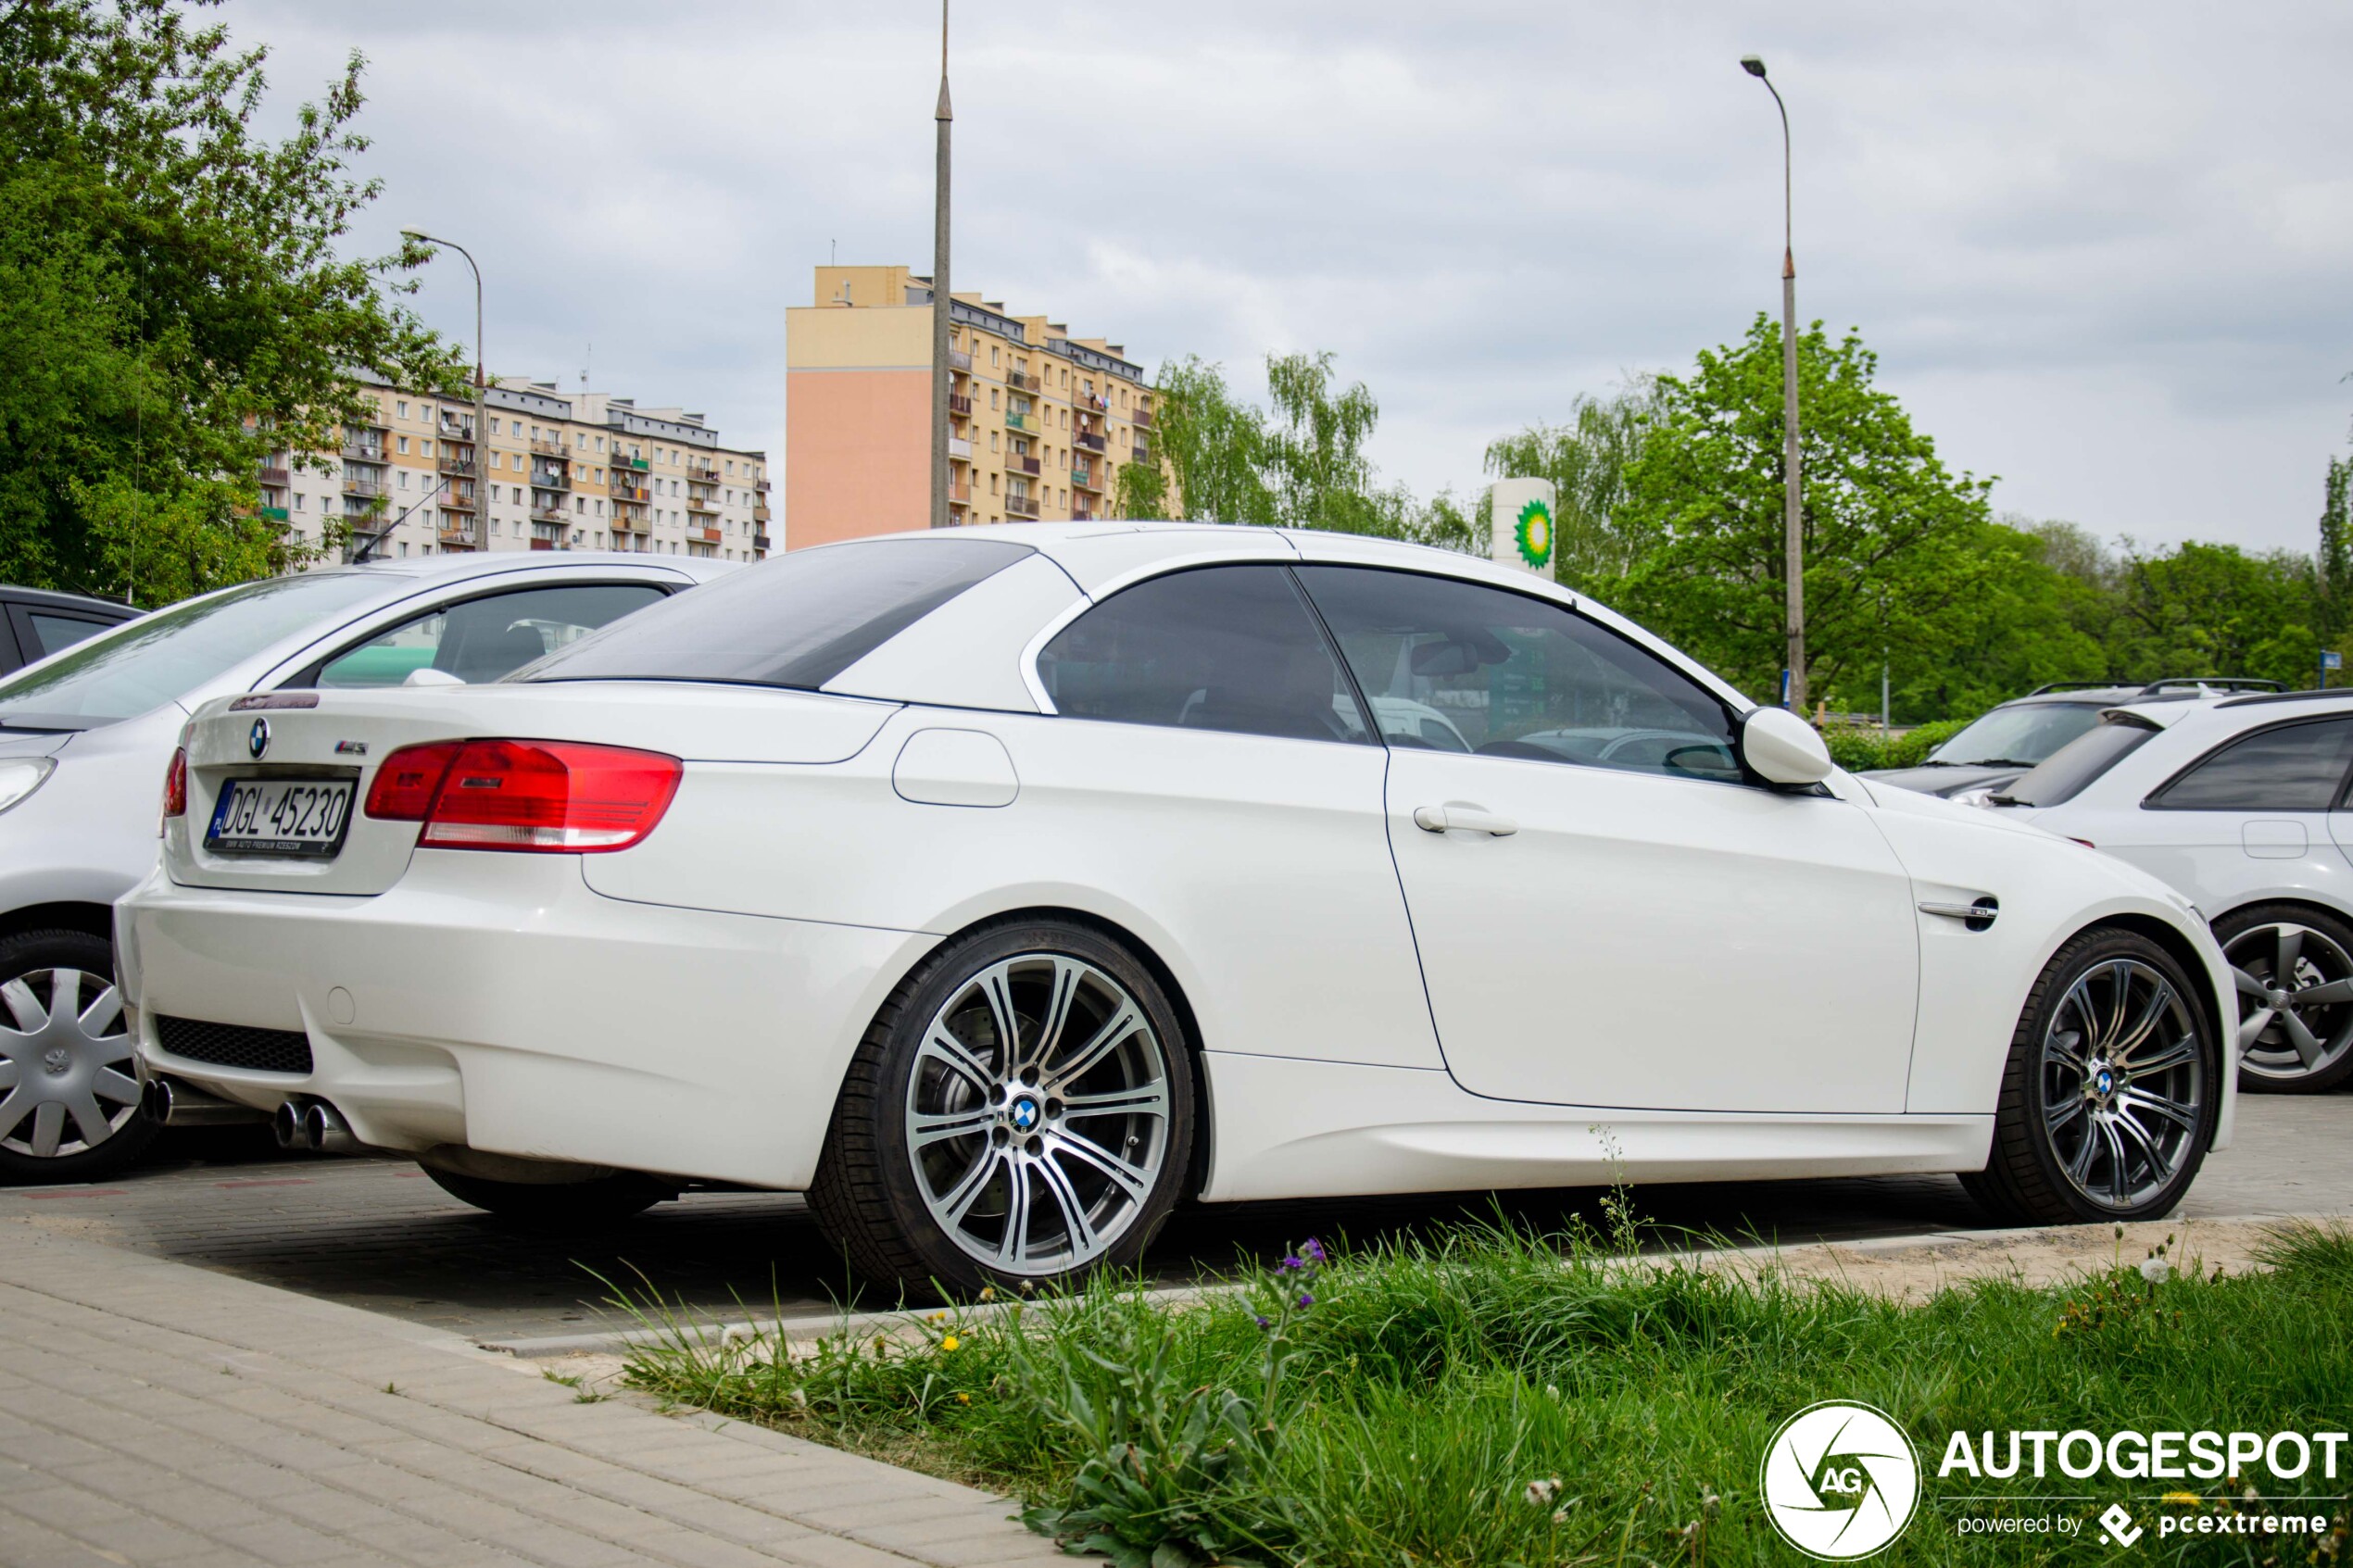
(1523, 511)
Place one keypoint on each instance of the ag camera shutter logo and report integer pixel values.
(1839, 1480)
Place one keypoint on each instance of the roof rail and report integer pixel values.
(2078, 686)
(2228, 682)
(2284, 696)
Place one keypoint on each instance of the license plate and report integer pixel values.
(279, 816)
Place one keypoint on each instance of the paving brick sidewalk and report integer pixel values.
(164, 1416)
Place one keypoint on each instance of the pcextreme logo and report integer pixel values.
(1839, 1480)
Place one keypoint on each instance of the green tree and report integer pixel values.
(1216, 447)
(1895, 549)
(1586, 457)
(2214, 609)
(172, 306)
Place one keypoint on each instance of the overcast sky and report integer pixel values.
(2100, 249)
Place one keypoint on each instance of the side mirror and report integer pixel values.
(426, 675)
(1781, 747)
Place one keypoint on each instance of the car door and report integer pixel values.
(1664, 934)
(1206, 763)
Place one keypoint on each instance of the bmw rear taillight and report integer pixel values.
(175, 785)
(549, 796)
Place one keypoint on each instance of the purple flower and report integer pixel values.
(1290, 1264)
(1305, 1299)
(1313, 1250)
(1265, 1322)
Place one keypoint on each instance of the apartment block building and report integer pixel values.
(558, 471)
(1041, 422)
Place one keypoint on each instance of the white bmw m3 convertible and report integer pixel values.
(1001, 887)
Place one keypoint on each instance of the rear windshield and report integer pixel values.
(797, 620)
(2021, 735)
(2073, 767)
(163, 657)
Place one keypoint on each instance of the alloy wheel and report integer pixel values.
(66, 1079)
(2123, 1085)
(1038, 1114)
(2295, 999)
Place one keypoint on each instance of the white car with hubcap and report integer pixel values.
(1000, 887)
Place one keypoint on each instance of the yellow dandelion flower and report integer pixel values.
(964, 1398)
(949, 1343)
(2187, 1500)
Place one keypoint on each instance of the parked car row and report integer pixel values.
(85, 734)
(1000, 888)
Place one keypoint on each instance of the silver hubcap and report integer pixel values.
(2295, 999)
(65, 1067)
(1038, 1114)
(2123, 1083)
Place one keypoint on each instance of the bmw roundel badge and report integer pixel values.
(257, 738)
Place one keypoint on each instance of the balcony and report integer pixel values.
(456, 503)
(549, 448)
(759, 511)
(272, 474)
(1024, 464)
(960, 405)
(463, 467)
(1080, 514)
(1021, 506)
(364, 451)
(629, 522)
(961, 492)
(760, 542)
(1091, 403)
(703, 503)
(1023, 381)
(1024, 421)
(761, 487)
(1085, 479)
(550, 478)
(957, 447)
(638, 464)
(704, 475)
(630, 492)
(1092, 443)
(276, 514)
(456, 428)
(459, 538)
(1142, 455)
(707, 536)
(959, 359)
(549, 514)
(1141, 419)
(367, 489)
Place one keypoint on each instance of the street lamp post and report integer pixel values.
(1792, 543)
(482, 428)
(942, 308)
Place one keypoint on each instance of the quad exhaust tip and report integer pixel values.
(314, 1125)
(174, 1104)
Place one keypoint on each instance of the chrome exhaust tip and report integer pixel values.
(325, 1130)
(288, 1125)
(173, 1104)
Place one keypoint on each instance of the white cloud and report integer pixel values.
(2097, 246)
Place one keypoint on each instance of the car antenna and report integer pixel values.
(440, 483)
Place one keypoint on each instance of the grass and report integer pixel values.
(1498, 1398)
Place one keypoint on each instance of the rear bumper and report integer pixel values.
(494, 1001)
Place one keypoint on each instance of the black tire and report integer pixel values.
(2026, 1179)
(2271, 1064)
(68, 1067)
(557, 1206)
(868, 1198)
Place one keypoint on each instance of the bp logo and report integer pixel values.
(1534, 533)
(1839, 1480)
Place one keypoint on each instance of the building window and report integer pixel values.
(298, 500)
(992, 356)
(404, 407)
(992, 398)
(402, 445)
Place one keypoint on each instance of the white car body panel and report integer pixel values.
(688, 1005)
(1755, 885)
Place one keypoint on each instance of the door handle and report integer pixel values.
(1466, 819)
(1979, 916)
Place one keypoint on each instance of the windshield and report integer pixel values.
(2073, 768)
(147, 663)
(2024, 734)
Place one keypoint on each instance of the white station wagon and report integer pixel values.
(998, 887)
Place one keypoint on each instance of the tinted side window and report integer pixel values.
(2076, 766)
(2296, 768)
(51, 632)
(796, 619)
(1222, 647)
(1511, 675)
(484, 639)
